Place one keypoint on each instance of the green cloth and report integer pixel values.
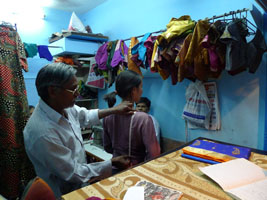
(31, 50)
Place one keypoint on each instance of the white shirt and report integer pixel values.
(54, 145)
(157, 128)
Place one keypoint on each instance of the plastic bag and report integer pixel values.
(197, 109)
(76, 24)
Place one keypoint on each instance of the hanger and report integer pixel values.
(8, 25)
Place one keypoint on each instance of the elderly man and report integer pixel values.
(52, 136)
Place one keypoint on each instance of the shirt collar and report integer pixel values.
(50, 112)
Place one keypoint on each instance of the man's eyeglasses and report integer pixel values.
(72, 91)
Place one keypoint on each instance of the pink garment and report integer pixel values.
(101, 57)
(149, 44)
(215, 63)
(120, 54)
(144, 143)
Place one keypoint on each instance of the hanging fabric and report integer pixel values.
(15, 168)
(193, 50)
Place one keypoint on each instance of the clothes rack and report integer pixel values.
(54, 46)
(233, 13)
(160, 31)
(228, 14)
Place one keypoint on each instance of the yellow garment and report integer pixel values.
(206, 154)
(131, 65)
(196, 54)
(195, 46)
(175, 28)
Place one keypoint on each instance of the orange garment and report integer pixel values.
(131, 65)
(183, 69)
(206, 154)
(65, 60)
(197, 55)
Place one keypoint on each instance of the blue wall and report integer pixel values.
(38, 31)
(241, 97)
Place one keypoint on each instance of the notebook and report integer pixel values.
(240, 178)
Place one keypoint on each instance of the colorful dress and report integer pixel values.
(15, 167)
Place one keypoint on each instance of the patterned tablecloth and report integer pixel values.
(170, 170)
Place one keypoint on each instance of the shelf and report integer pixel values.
(81, 100)
(80, 36)
(71, 43)
(69, 46)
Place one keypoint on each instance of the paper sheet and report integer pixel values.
(234, 173)
(239, 177)
(134, 193)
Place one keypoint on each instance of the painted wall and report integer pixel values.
(241, 97)
(37, 31)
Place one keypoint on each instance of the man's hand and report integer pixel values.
(124, 107)
(121, 162)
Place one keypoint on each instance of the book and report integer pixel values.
(241, 178)
(155, 191)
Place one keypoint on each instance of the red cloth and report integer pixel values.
(39, 189)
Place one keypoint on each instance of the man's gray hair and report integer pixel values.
(54, 74)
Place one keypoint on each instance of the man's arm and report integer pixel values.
(123, 108)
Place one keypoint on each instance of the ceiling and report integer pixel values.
(78, 6)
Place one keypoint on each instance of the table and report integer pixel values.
(169, 170)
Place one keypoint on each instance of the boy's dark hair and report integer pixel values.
(144, 100)
(31, 106)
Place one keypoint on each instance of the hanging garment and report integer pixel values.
(215, 48)
(149, 44)
(176, 28)
(101, 56)
(255, 50)
(196, 54)
(44, 52)
(131, 64)
(120, 54)
(234, 37)
(31, 50)
(15, 167)
(140, 50)
(111, 71)
(155, 63)
(184, 70)
(170, 53)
